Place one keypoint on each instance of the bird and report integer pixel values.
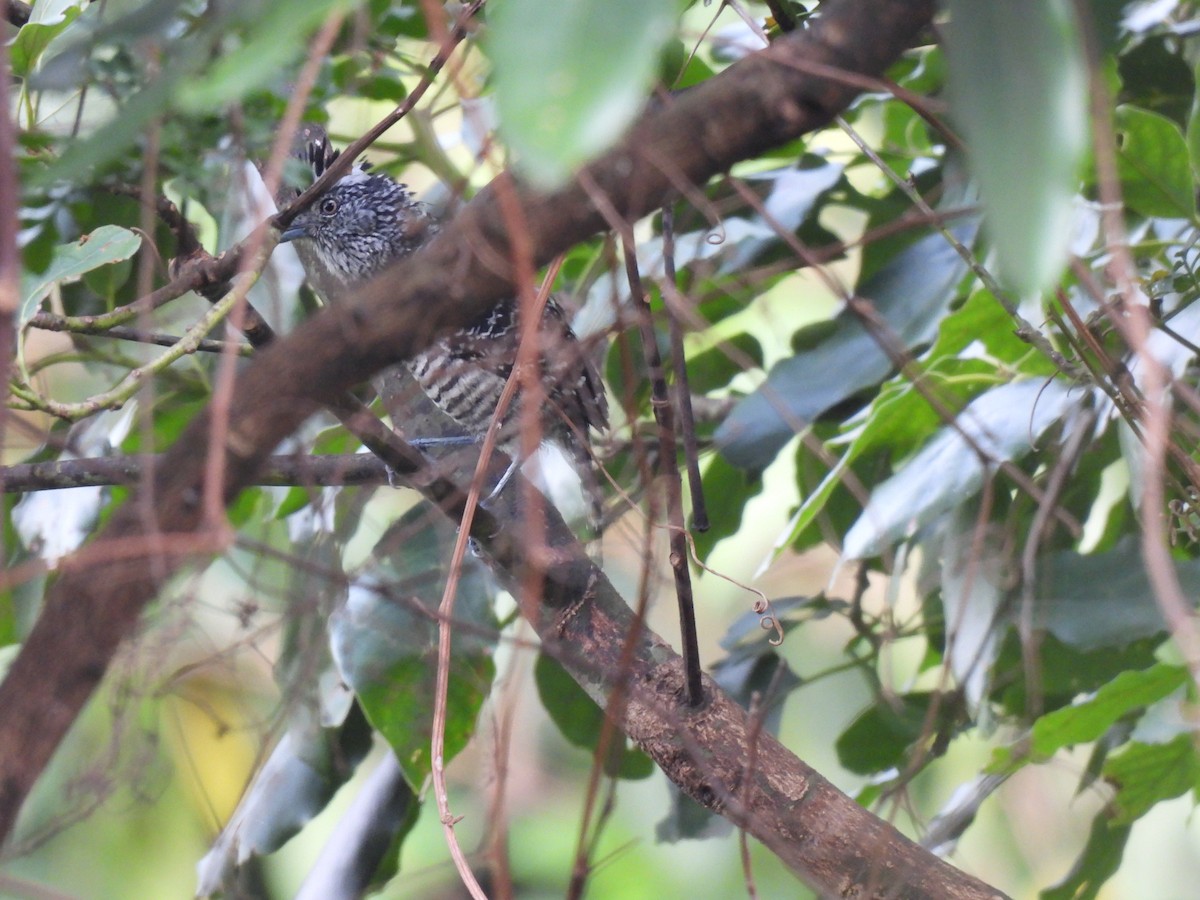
(367, 221)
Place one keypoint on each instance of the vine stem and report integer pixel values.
(437, 749)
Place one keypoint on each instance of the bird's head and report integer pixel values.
(362, 224)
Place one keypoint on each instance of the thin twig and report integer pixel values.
(10, 260)
(280, 471)
(1025, 330)
(223, 382)
(682, 392)
(1133, 321)
(446, 605)
(347, 157)
(127, 387)
(159, 339)
(663, 415)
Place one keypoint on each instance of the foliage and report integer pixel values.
(907, 336)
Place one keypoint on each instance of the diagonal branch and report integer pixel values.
(766, 100)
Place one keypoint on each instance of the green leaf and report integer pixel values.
(713, 368)
(399, 704)
(385, 641)
(1153, 164)
(107, 244)
(1099, 861)
(49, 19)
(1088, 720)
(1148, 773)
(1104, 599)
(276, 39)
(879, 738)
(1027, 131)
(1004, 423)
(982, 319)
(727, 490)
(1192, 135)
(581, 720)
(570, 76)
(910, 293)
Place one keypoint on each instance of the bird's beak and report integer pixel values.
(291, 234)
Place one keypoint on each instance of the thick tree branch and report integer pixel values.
(767, 99)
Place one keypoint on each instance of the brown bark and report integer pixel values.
(768, 99)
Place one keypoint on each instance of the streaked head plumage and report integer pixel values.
(364, 222)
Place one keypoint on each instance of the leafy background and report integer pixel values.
(895, 561)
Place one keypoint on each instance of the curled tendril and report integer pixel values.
(768, 621)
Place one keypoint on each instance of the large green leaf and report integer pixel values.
(385, 642)
(107, 244)
(1147, 773)
(900, 418)
(1017, 88)
(571, 75)
(48, 20)
(1089, 719)
(879, 738)
(581, 720)
(1004, 424)
(1153, 164)
(1099, 861)
(911, 294)
(274, 40)
(1104, 599)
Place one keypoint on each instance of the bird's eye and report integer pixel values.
(328, 206)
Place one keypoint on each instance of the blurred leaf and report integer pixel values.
(1099, 861)
(106, 281)
(974, 574)
(570, 76)
(399, 704)
(898, 421)
(1153, 164)
(1066, 672)
(727, 490)
(580, 720)
(879, 737)
(686, 819)
(713, 369)
(48, 20)
(1105, 599)
(1087, 720)
(1004, 423)
(681, 68)
(107, 244)
(305, 769)
(385, 641)
(1155, 76)
(1145, 774)
(293, 501)
(1192, 135)
(274, 39)
(982, 322)
(910, 294)
(1027, 130)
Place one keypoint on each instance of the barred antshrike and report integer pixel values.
(364, 223)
